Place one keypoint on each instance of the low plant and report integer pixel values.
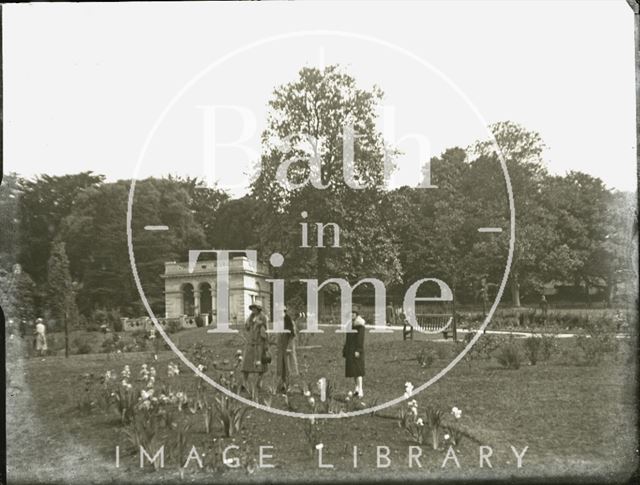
(532, 346)
(144, 431)
(178, 442)
(433, 419)
(230, 412)
(87, 401)
(312, 429)
(508, 355)
(424, 358)
(82, 346)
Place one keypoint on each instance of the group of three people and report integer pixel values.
(256, 357)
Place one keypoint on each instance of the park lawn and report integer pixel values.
(575, 420)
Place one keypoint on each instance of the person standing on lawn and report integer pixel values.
(283, 356)
(41, 337)
(256, 350)
(353, 351)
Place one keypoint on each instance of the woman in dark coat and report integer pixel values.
(256, 345)
(353, 352)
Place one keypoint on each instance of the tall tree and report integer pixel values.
(43, 204)
(9, 221)
(17, 292)
(522, 152)
(61, 293)
(309, 116)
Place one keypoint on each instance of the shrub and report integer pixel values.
(112, 343)
(592, 348)
(532, 346)
(424, 358)
(199, 321)
(173, 326)
(548, 345)
(82, 346)
(99, 317)
(508, 355)
(116, 323)
(93, 327)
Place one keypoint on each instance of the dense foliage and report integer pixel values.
(570, 229)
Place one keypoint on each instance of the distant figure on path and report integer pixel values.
(41, 337)
(353, 352)
(544, 306)
(255, 359)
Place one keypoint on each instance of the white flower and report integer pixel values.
(307, 393)
(349, 394)
(312, 401)
(319, 446)
(446, 436)
(419, 422)
(145, 404)
(200, 368)
(456, 412)
(238, 352)
(408, 388)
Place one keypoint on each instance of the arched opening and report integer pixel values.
(188, 302)
(205, 298)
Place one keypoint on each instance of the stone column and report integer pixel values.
(214, 303)
(196, 302)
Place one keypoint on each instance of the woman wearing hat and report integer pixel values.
(41, 337)
(353, 351)
(256, 356)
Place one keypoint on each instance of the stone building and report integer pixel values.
(191, 294)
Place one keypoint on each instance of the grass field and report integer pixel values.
(575, 420)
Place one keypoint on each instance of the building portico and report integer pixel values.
(193, 294)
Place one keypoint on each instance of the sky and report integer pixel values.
(136, 89)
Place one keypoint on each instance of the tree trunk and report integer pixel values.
(66, 335)
(610, 291)
(515, 292)
(320, 270)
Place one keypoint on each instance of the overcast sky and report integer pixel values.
(84, 84)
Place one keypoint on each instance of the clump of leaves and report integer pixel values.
(433, 418)
(144, 431)
(231, 414)
(508, 355)
(532, 346)
(424, 358)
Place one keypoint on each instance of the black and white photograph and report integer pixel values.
(320, 241)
